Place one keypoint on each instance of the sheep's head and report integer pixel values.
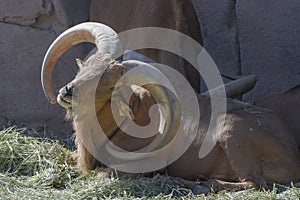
(108, 46)
(96, 79)
(98, 75)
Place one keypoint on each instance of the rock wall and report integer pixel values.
(27, 29)
(55, 15)
(219, 32)
(254, 37)
(269, 38)
(243, 37)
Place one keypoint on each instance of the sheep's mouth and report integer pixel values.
(66, 101)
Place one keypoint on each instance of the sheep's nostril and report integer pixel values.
(69, 90)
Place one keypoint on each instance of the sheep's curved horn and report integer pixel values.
(170, 114)
(99, 34)
(164, 98)
(234, 88)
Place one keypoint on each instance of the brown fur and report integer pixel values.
(253, 147)
(287, 106)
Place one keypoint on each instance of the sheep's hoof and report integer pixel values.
(201, 189)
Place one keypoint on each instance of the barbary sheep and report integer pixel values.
(253, 147)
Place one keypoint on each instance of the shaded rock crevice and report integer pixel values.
(238, 48)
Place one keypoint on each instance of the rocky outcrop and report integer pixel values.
(218, 25)
(24, 12)
(45, 14)
(269, 38)
(254, 37)
(28, 27)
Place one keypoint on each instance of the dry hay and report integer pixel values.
(41, 168)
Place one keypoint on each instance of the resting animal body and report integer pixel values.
(253, 147)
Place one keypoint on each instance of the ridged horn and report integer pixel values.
(102, 36)
(170, 115)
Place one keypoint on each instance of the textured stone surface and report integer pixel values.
(28, 28)
(70, 12)
(217, 20)
(23, 12)
(254, 37)
(269, 37)
(45, 14)
(21, 53)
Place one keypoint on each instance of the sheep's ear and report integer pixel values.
(79, 62)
